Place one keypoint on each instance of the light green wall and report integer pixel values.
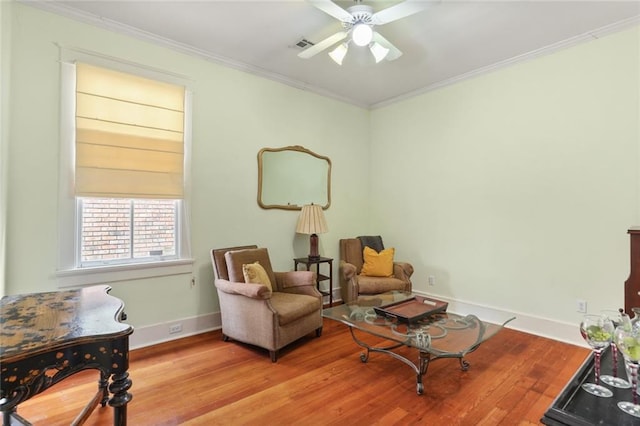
(5, 49)
(235, 115)
(516, 188)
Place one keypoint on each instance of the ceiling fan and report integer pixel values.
(358, 22)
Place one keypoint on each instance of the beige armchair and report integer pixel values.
(354, 285)
(253, 313)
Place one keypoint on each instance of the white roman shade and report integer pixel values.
(129, 136)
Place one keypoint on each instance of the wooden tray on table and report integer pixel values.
(413, 309)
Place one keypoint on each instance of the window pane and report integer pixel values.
(154, 228)
(122, 230)
(106, 229)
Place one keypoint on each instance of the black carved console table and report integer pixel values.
(46, 337)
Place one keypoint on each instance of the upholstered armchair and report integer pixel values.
(355, 285)
(266, 314)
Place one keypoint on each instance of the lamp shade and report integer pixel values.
(311, 220)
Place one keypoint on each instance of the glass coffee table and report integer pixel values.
(439, 335)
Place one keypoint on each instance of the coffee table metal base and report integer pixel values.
(424, 358)
(440, 335)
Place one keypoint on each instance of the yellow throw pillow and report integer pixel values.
(254, 273)
(377, 264)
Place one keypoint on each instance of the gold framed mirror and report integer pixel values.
(292, 176)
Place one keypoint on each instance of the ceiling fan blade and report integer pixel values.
(324, 44)
(329, 7)
(400, 10)
(394, 52)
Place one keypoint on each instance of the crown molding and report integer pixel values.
(117, 27)
(546, 50)
(104, 23)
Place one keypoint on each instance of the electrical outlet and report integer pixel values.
(432, 280)
(581, 306)
(175, 328)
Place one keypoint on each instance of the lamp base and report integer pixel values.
(313, 247)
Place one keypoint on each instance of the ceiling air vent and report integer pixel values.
(304, 43)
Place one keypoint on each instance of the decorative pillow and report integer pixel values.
(254, 273)
(377, 264)
(373, 241)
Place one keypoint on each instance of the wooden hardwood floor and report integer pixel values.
(202, 380)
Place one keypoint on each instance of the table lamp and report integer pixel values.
(311, 221)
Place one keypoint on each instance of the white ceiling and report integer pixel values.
(449, 40)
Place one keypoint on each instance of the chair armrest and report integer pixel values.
(402, 270)
(349, 287)
(254, 291)
(295, 278)
(347, 270)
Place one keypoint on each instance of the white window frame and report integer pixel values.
(69, 272)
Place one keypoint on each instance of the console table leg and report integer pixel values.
(119, 387)
(103, 384)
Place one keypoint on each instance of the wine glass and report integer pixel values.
(613, 379)
(628, 342)
(597, 330)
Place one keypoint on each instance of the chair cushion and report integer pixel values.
(236, 258)
(377, 264)
(291, 307)
(254, 273)
(375, 285)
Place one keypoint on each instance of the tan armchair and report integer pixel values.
(252, 313)
(353, 285)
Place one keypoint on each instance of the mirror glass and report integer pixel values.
(291, 177)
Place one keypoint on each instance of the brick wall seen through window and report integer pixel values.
(124, 229)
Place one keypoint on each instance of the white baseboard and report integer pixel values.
(544, 327)
(160, 333)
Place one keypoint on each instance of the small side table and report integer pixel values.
(320, 277)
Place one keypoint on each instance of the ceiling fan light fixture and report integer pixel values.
(378, 51)
(362, 34)
(339, 53)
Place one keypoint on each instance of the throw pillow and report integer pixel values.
(373, 241)
(254, 273)
(377, 264)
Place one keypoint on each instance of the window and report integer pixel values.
(126, 138)
(126, 230)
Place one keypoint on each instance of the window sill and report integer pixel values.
(107, 274)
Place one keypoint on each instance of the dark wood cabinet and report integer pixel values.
(632, 285)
